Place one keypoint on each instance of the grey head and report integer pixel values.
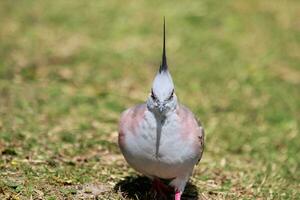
(162, 98)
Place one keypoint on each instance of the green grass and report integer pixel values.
(68, 69)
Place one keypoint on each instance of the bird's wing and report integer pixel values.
(192, 127)
(129, 120)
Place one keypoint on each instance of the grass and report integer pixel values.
(68, 69)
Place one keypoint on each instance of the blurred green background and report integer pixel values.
(69, 68)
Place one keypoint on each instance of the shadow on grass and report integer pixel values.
(139, 188)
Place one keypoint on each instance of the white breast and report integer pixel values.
(175, 154)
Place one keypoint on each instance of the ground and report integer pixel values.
(69, 68)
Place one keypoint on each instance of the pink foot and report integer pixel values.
(177, 195)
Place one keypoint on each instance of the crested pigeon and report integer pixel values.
(161, 138)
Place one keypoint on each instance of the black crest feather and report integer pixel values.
(164, 65)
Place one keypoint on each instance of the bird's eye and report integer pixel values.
(171, 96)
(153, 95)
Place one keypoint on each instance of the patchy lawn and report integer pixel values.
(69, 68)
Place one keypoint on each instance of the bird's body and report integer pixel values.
(165, 147)
(161, 138)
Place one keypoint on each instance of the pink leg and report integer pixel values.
(177, 195)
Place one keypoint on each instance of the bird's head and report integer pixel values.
(162, 98)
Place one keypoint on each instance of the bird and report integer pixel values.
(161, 138)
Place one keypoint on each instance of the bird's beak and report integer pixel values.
(161, 107)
